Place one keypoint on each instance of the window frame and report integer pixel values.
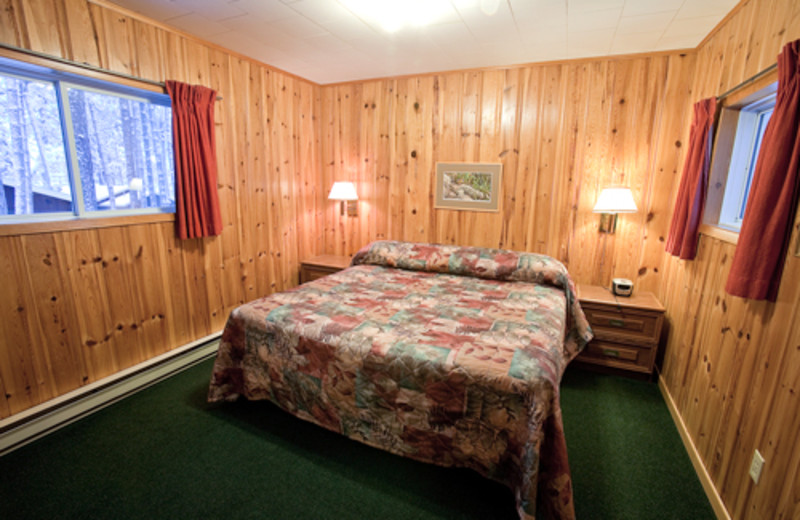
(64, 76)
(723, 144)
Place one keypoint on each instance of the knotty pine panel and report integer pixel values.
(562, 132)
(733, 365)
(81, 305)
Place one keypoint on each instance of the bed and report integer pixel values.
(448, 355)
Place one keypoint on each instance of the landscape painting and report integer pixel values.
(468, 186)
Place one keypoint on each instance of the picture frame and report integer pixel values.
(468, 186)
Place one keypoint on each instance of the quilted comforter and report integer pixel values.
(445, 354)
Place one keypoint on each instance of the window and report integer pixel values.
(75, 146)
(736, 147)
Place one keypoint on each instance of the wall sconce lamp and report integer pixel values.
(345, 192)
(611, 201)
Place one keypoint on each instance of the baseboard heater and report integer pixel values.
(36, 422)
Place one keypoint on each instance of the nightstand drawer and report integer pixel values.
(639, 359)
(323, 265)
(623, 326)
(309, 273)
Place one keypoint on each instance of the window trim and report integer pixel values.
(66, 221)
(724, 137)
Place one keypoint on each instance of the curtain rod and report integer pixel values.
(86, 66)
(749, 80)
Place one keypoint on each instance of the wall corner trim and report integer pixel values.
(702, 473)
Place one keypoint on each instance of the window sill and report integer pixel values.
(719, 233)
(54, 226)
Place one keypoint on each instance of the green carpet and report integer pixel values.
(166, 453)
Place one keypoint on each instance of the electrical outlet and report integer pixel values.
(756, 466)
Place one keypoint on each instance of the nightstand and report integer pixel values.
(322, 265)
(627, 329)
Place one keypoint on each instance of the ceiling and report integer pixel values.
(329, 41)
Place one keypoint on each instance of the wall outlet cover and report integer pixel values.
(756, 466)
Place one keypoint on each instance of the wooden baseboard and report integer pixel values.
(34, 423)
(702, 473)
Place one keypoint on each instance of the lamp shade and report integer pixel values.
(343, 191)
(615, 200)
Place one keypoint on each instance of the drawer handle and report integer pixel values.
(610, 352)
(616, 323)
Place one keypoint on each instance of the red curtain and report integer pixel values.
(197, 202)
(682, 238)
(764, 237)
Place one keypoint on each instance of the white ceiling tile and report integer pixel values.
(267, 10)
(692, 26)
(666, 43)
(159, 9)
(211, 9)
(598, 39)
(301, 27)
(584, 6)
(323, 41)
(657, 22)
(349, 28)
(636, 7)
(320, 10)
(631, 43)
(195, 24)
(593, 21)
(699, 9)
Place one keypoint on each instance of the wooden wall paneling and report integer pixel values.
(179, 297)
(735, 382)
(149, 51)
(520, 109)
(589, 245)
(713, 334)
(413, 159)
(369, 147)
(450, 137)
(116, 41)
(82, 37)
(734, 45)
(45, 33)
(83, 256)
(637, 92)
(511, 196)
(288, 167)
(63, 366)
(193, 253)
(250, 196)
(116, 265)
(232, 290)
(175, 62)
(349, 169)
(19, 363)
(149, 280)
(484, 226)
(329, 164)
(672, 136)
(267, 178)
(309, 191)
(549, 194)
(743, 358)
(571, 163)
(11, 24)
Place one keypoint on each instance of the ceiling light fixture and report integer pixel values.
(393, 15)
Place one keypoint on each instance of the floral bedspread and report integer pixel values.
(444, 354)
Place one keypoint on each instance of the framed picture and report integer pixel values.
(469, 186)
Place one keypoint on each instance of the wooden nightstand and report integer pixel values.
(627, 330)
(322, 265)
